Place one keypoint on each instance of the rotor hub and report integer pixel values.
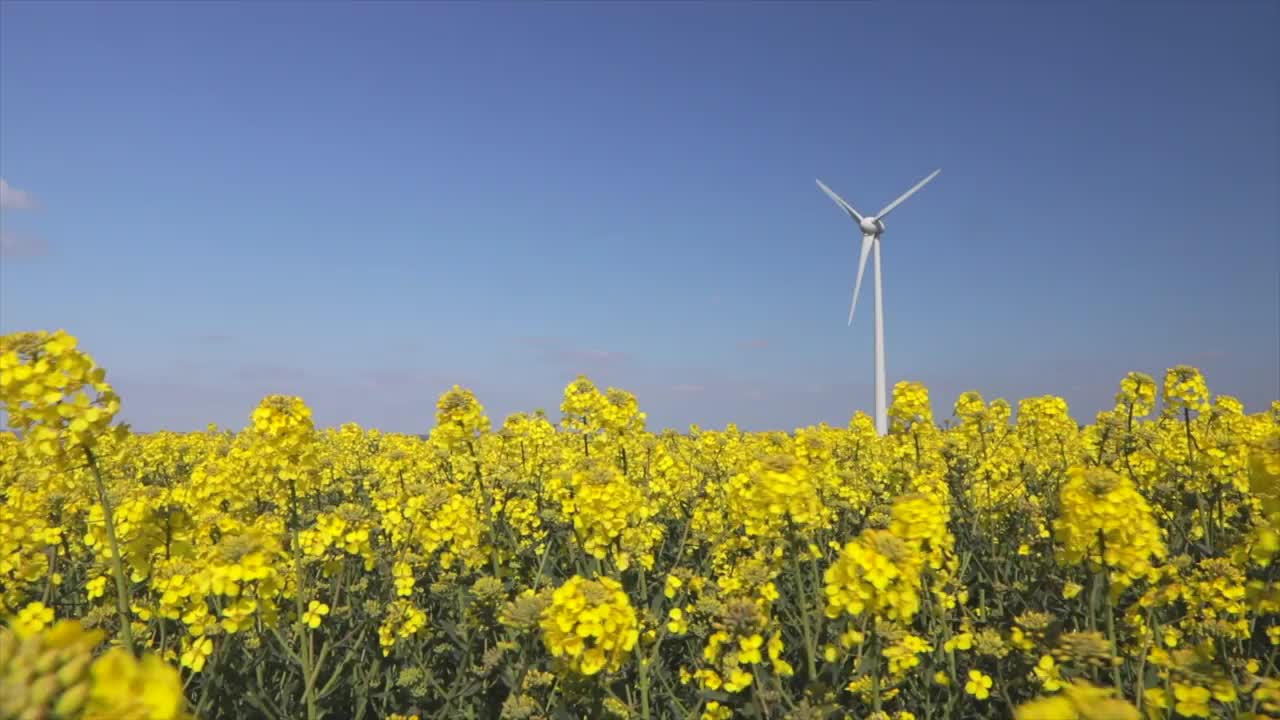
(871, 226)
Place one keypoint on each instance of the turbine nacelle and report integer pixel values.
(871, 226)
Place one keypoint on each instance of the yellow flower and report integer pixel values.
(127, 688)
(749, 649)
(196, 652)
(979, 685)
(677, 624)
(963, 641)
(96, 587)
(737, 681)
(32, 619)
(1046, 670)
(775, 648)
(316, 611)
(716, 711)
(710, 679)
(1191, 700)
(672, 585)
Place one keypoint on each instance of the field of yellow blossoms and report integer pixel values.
(981, 566)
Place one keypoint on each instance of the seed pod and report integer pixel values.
(73, 670)
(43, 690)
(72, 700)
(8, 647)
(46, 672)
(47, 661)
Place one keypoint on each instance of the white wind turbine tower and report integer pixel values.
(872, 227)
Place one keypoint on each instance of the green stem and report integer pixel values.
(1111, 635)
(1110, 618)
(644, 688)
(804, 601)
(304, 653)
(123, 602)
(875, 669)
(1092, 603)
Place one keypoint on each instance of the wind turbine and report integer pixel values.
(872, 227)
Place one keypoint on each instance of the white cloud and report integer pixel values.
(12, 198)
(16, 246)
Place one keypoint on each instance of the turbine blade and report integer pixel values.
(840, 201)
(907, 194)
(862, 265)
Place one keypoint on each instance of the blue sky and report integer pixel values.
(366, 203)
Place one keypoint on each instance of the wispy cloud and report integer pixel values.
(584, 354)
(13, 245)
(407, 378)
(561, 352)
(753, 344)
(12, 198)
(265, 372)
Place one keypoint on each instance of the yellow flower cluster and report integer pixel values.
(913, 574)
(921, 520)
(1185, 391)
(54, 394)
(590, 625)
(1137, 396)
(454, 532)
(1107, 522)
(582, 408)
(876, 573)
(910, 407)
(609, 514)
(284, 436)
(460, 420)
(621, 416)
(775, 493)
(402, 620)
(738, 648)
(1263, 544)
